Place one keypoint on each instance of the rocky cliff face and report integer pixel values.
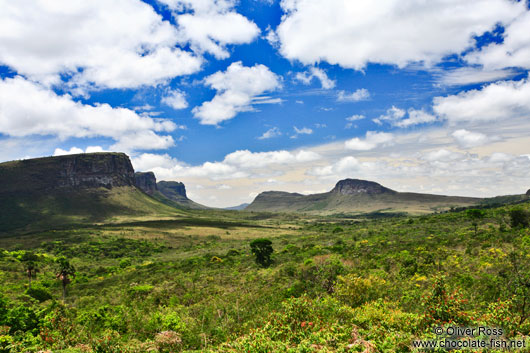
(146, 182)
(173, 190)
(356, 186)
(90, 170)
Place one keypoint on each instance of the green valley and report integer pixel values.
(153, 278)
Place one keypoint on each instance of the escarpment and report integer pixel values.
(78, 171)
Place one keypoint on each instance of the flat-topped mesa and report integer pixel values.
(172, 189)
(146, 181)
(87, 170)
(357, 186)
(278, 193)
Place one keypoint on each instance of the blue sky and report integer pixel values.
(237, 97)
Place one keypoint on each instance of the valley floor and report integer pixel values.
(335, 285)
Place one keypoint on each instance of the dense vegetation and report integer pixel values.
(327, 284)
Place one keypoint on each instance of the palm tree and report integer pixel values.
(30, 261)
(64, 271)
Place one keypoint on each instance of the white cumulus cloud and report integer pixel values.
(514, 51)
(76, 150)
(106, 44)
(319, 74)
(395, 117)
(28, 109)
(393, 114)
(272, 132)
(302, 131)
(494, 102)
(236, 88)
(415, 117)
(345, 166)
(238, 164)
(359, 95)
(353, 118)
(468, 139)
(211, 25)
(176, 99)
(354, 33)
(372, 140)
(246, 159)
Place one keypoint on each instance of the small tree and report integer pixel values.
(30, 261)
(262, 249)
(64, 271)
(519, 284)
(519, 217)
(475, 216)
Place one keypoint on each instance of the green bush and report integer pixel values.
(519, 217)
(262, 250)
(39, 292)
(125, 263)
(337, 230)
(321, 272)
(355, 290)
(140, 291)
(6, 342)
(22, 318)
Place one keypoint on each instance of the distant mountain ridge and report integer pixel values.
(357, 196)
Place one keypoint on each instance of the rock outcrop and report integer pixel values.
(176, 192)
(357, 186)
(173, 190)
(146, 181)
(90, 170)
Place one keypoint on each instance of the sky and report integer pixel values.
(238, 97)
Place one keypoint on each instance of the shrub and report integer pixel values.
(108, 343)
(519, 217)
(262, 249)
(38, 292)
(125, 263)
(232, 252)
(337, 230)
(355, 290)
(503, 313)
(475, 215)
(322, 272)
(442, 307)
(6, 342)
(216, 259)
(22, 318)
(168, 342)
(140, 291)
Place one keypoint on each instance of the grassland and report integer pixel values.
(188, 282)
